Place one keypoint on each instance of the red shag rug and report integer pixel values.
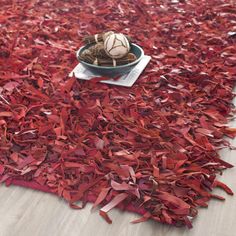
(152, 148)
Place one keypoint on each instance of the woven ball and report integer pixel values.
(106, 34)
(116, 46)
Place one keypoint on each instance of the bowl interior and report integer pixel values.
(134, 48)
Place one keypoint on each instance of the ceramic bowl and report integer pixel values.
(112, 71)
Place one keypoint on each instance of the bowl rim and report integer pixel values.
(111, 67)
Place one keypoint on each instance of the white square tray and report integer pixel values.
(126, 80)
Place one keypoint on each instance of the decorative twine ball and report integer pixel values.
(116, 45)
(98, 50)
(106, 34)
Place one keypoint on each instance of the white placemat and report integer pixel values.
(126, 80)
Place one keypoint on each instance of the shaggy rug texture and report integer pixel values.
(152, 148)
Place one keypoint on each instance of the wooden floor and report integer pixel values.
(25, 212)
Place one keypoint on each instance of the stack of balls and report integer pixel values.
(107, 49)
